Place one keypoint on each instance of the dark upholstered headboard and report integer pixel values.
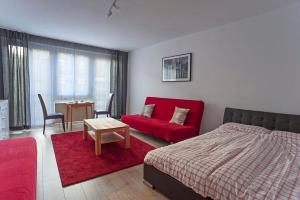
(272, 121)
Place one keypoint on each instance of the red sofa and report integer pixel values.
(18, 169)
(158, 125)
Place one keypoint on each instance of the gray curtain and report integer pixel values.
(1, 73)
(118, 84)
(14, 48)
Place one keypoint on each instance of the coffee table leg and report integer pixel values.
(85, 131)
(127, 138)
(98, 143)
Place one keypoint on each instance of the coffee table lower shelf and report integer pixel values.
(107, 137)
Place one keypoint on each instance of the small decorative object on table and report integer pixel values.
(177, 68)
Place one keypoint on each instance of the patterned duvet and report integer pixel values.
(235, 161)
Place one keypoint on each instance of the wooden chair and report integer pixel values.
(52, 115)
(106, 112)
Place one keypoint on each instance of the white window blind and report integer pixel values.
(65, 75)
(82, 76)
(101, 81)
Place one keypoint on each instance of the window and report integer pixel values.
(64, 74)
(82, 72)
(101, 82)
(40, 83)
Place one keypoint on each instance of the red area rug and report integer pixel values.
(77, 162)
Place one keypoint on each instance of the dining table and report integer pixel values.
(88, 107)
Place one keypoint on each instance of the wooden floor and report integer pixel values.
(126, 184)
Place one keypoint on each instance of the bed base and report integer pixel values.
(169, 186)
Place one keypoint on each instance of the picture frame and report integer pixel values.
(177, 68)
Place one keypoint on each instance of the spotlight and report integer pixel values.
(113, 6)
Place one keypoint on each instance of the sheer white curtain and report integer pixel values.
(101, 82)
(66, 74)
(41, 82)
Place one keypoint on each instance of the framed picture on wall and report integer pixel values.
(177, 68)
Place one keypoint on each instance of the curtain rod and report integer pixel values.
(62, 43)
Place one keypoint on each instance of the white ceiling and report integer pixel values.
(139, 23)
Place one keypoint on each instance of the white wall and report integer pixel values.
(250, 64)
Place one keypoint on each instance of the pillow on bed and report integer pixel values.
(179, 116)
(147, 110)
(244, 128)
(286, 135)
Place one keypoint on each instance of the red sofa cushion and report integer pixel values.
(159, 128)
(158, 125)
(18, 169)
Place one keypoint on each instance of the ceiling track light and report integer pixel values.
(113, 6)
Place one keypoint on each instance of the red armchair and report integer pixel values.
(158, 125)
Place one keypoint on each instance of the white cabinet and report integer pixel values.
(4, 120)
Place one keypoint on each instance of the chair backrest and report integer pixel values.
(43, 105)
(109, 102)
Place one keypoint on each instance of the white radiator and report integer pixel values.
(4, 120)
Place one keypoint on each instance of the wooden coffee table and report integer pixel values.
(104, 130)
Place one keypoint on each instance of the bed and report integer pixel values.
(18, 169)
(233, 173)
